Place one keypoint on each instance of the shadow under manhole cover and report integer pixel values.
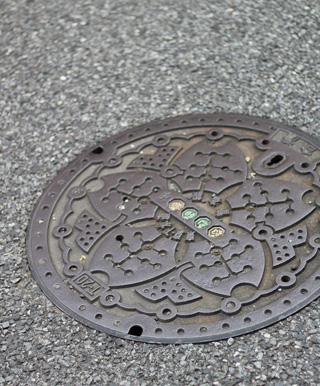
(190, 229)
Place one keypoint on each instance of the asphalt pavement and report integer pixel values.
(74, 72)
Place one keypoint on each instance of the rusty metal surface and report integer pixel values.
(191, 229)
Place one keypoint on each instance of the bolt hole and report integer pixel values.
(274, 161)
(265, 142)
(285, 279)
(135, 330)
(98, 150)
(305, 165)
(119, 238)
(98, 316)
(112, 160)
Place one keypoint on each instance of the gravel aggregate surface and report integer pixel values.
(73, 72)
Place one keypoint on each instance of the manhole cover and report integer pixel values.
(191, 229)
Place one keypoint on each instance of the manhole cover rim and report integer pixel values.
(218, 119)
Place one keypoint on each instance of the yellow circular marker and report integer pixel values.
(216, 232)
(176, 205)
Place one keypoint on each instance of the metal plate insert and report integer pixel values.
(191, 229)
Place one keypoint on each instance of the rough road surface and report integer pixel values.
(73, 72)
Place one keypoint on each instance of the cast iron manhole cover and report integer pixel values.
(191, 229)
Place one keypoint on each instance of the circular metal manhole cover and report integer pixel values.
(191, 229)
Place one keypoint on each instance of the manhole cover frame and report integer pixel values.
(52, 284)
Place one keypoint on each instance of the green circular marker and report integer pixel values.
(202, 222)
(189, 213)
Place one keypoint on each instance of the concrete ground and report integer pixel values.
(73, 72)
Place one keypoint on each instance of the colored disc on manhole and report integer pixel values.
(190, 229)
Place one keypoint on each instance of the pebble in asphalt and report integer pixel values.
(74, 72)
